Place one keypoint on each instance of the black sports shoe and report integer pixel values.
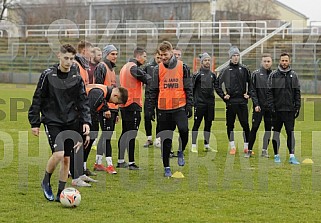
(88, 173)
(122, 165)
(171, 154)
(47, 191)
(57, 198)
(133, 167)
(148, 143)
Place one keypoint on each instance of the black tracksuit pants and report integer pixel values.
(286, 118)
(256, 121)
(241, 111)
(130, 126)
(107, 126)
(167, 122)
(200, 112)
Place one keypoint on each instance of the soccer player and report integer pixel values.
(61, 104)
(204, 84)
(82, 59)
(94, 61)
(132, 77)
(235, 77)
(284, 99)
(148, 122)
(258, 89)
(105, 74)
(171, 89)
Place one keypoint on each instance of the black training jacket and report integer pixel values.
(284, 92)
(234, 80)
(59, 100)
(259, 87)
(204, 85)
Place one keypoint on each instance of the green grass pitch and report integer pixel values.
(217, 187)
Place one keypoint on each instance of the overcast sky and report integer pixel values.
(309, 8)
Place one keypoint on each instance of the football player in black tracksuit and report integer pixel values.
(284, 99)
(258, 89)
(236, 78)
(204, 84)
(147, 121)
(60, 98)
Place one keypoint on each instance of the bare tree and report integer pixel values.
(10, 5)
(51, 10)
(250, 9)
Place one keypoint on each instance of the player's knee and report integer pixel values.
(59, 155)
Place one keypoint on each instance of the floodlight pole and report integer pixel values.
(90, 15)
(213, 12)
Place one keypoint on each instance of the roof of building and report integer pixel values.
(291, 9)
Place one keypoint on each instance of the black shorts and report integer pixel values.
(63, 138)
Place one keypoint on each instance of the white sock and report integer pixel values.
(232, 144)
(85, 165)
(193, 146)
(246, 145)
(130, 163)
(121, 160)
(109, 161)
(99, 159)
(149, 138)
(207, 146)
(291, 155)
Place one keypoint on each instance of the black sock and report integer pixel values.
(47, 177)
(61, 187)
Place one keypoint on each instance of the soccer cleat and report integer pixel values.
(133, 166)
(246, 151)
(99, 167)
(277, 158)
(79, 183)
(180, 160)
(87, 179)
(209, 149)
(47, 191)
(167, 172)
(194, 150)
(148, 143)
(265, 153)
(248, 154)
(122, 165)
(232, 151)
(87, 172)
(57, 198)
(293, 160)
(110, 169)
